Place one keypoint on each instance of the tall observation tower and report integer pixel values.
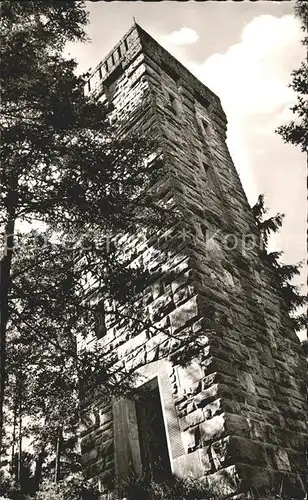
(237, 417)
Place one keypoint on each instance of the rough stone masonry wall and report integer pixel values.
(241, 407)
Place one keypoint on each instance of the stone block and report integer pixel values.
(282, 460)
(106, 447)
(205, 459)
(189, 375)
(209, 380)
(98, 467)
(265, 404)
(271, 434)
(298, 461)
(247, 451)
(189, 440)
(224, 366)
(235, 450)
(297, 440)
(244, 496)
(247, 383)
(157, 289)
(191, 420)
(212, 429)
(181, 295)
(89, 457)
(198, 327)
(232, 406)
(153, 346)
(224, 482)
(190, 407)
(188, 465)
(206, 396)
(256, 478)
(132, 344)
(196, 388)
(90, 420)
(257, 429)
(186, 312)
(161, 306)
(232, 392)
(262, 480)
(212, 409)
(105, 417)
(137, 360)
(220, 451)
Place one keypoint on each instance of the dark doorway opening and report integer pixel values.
(152, 433)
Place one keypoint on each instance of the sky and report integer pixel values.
(244, 52)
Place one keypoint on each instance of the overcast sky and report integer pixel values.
(244, 52)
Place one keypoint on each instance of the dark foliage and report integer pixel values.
(296, 132)
(284, 273)
(62, 165)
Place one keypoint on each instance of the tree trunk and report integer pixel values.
(38, 468)
(20, 450)
(15, 410)
(19, 388)
(58, 455)
(5, 273)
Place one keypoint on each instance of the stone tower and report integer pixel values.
(236, 419)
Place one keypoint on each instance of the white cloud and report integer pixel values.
(252, 79)
(184, 36)
(257, 70)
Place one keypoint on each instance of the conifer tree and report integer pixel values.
(284, 272)
(296, 132)
(61, 165)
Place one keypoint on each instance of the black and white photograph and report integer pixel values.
(153, 250)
